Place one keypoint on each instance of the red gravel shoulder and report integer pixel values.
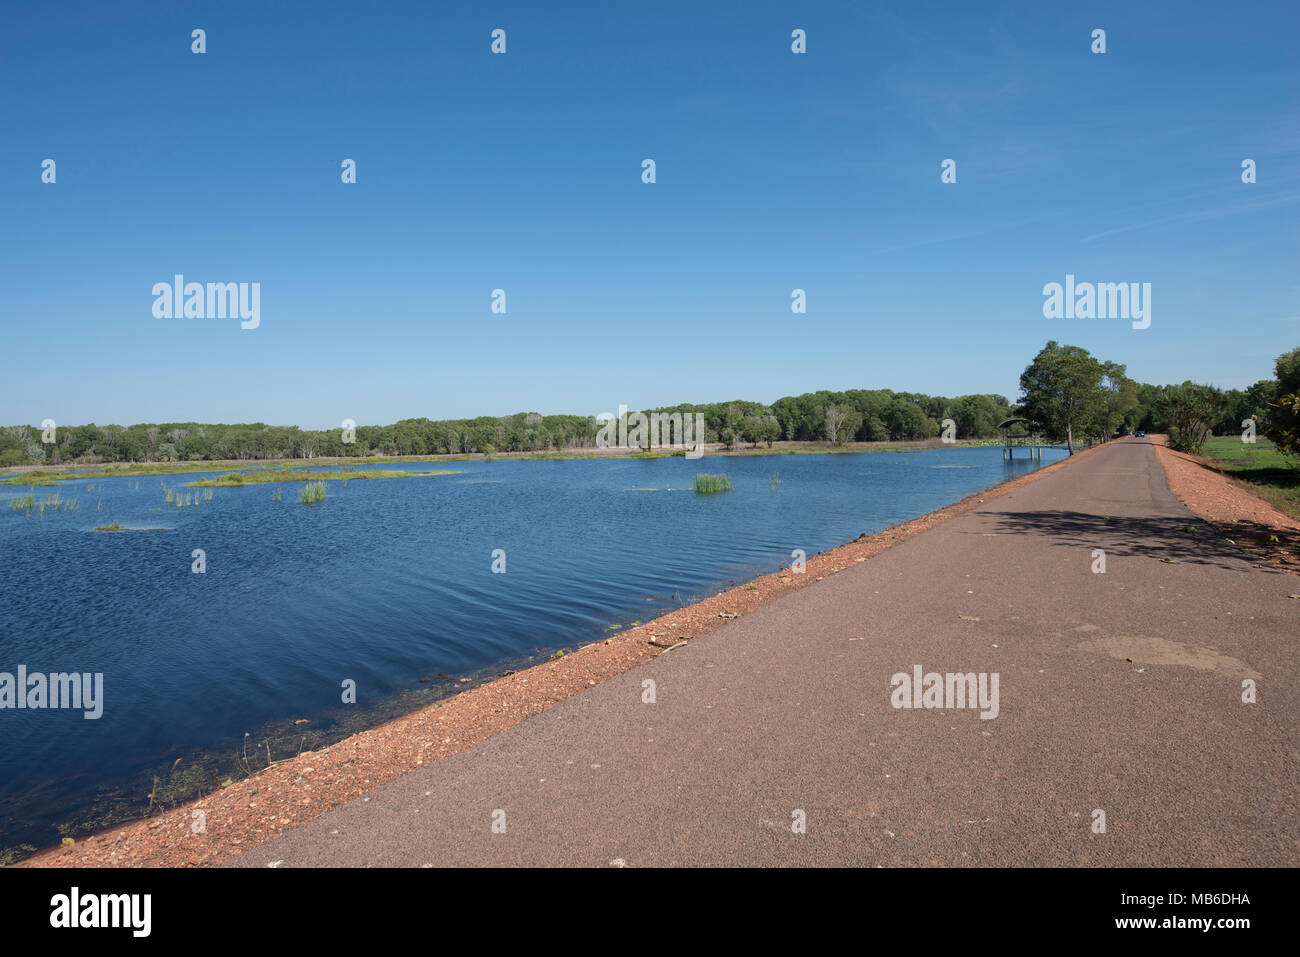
(1246, 519)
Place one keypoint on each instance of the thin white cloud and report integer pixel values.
(1201, 215)
(953, 237)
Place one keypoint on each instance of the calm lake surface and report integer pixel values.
(385, 582)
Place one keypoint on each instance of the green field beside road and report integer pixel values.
(1271, 475)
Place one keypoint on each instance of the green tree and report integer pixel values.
(977, 416)
(1119, 397)
(1284, 410)
(905, 420)
(1061, 390)
(1193, 410)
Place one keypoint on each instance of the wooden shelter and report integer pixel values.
(1020, 433)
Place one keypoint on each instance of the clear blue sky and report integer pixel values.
(523, 171)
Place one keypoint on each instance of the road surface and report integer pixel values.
(784, 717)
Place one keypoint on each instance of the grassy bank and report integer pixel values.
(1261, 468)
(54, 476)
(267, 476)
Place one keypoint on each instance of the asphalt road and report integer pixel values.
(788, 710)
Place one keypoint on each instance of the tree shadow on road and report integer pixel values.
(1169, 538)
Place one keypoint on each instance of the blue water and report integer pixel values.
(385, 582)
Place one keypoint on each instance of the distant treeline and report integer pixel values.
(1111, 403)
(820, 416)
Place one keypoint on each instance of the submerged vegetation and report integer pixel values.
(707, 484)
(312, 492)
(186, 499)
(55, 503)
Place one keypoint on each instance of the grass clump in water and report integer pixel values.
(311, 492)
(707, 484)
(24, 504)
(114, 527)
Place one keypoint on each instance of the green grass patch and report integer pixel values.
(707, 484)
(137, 469)
(1259, 466)
(57, 476)
(265, 476)
(32, 478)
(113, 527)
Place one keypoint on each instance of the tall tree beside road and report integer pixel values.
(1119, 397)
(1284, 413)
(1061, 390)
